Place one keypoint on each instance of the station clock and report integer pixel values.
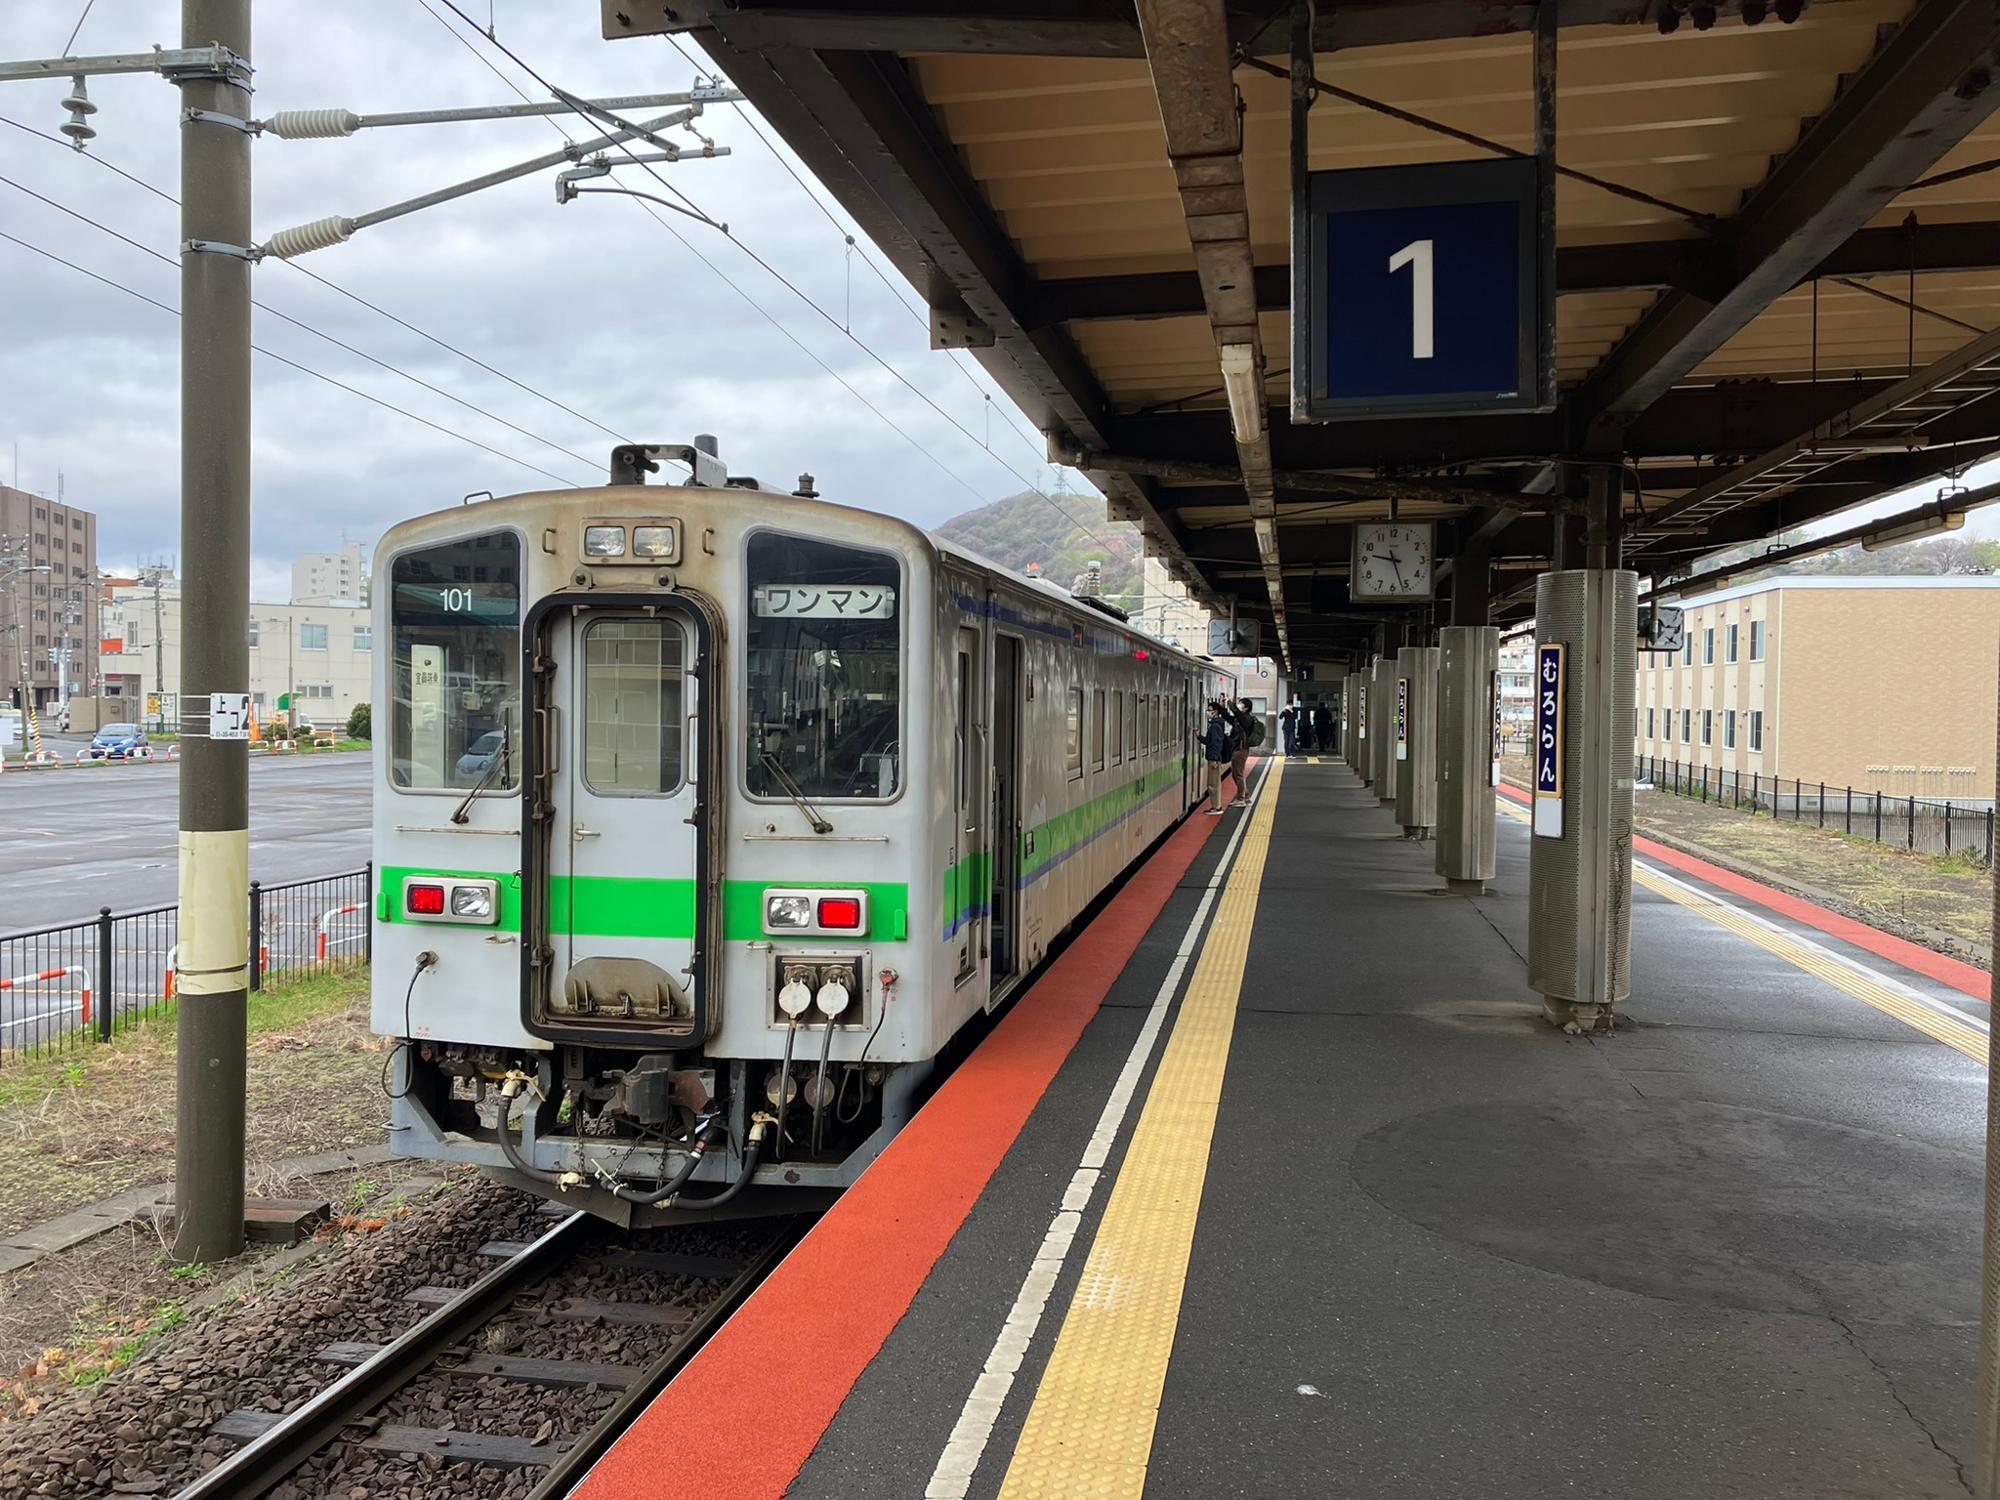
(1393, 560)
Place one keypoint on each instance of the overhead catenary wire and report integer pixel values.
(790, 286)
(352, 296)
(307, 327)
(849, 235)
(732, 284)
(291, 363)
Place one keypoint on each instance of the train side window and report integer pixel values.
(633, 672)
(1117, 728)
(1132, 727)
(455, 665)
(823, 670)
(1097, 730)
(1074, 758)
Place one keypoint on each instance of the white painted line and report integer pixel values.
(1852, 965)
(952, 1477)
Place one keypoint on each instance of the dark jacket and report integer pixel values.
(1216, 741)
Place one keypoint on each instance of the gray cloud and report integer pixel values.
(592, 302)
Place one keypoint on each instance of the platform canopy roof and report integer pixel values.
(1778, 272)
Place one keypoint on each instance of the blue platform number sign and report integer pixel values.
(1549, 689)
(1418, 292)
(1402, 718)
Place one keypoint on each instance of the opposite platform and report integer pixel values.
(1370, 1227)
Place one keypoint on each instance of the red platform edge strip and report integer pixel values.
(1967, 979)
(720, 1429)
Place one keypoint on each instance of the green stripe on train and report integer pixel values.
(1062, 833)
(640, 906)
(968, 883)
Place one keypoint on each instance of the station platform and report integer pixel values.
(1276, 1184)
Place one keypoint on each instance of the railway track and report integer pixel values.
(448, 1344)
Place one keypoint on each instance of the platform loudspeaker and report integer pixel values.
(1580, 857)
(1468, 752)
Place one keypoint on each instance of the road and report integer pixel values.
(74, 840)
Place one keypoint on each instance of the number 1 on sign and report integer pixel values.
(1417, 256)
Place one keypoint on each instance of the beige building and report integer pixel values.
(1883, 684)
(321, 655)
(48, 597)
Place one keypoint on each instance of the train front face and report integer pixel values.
(648, 833)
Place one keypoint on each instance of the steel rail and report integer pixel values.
(568, 1468)
(267, 1459)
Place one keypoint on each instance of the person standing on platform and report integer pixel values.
(1305, 729)
(1286, 715)
(1216, 744)
(1248, 732)
(1323, 728)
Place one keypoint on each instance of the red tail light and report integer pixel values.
(840, 913)
(425, 900)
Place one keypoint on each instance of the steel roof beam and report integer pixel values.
(1091, 28)
(1927, 87)
(857, 120)
(1188, 50)
(1693, 266)
(1732, 418)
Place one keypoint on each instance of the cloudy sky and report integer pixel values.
(593, 303)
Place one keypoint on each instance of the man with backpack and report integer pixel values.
(1248, 733)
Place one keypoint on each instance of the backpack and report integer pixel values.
(1253, 731)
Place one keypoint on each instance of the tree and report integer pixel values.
(359, 723)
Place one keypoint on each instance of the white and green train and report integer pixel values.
(708, 816)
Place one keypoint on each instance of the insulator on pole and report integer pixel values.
(78, 127)
(321, 234)
(312, 124)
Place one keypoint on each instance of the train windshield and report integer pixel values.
(824, 651)
(455, 615)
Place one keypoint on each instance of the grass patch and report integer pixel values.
(284, 1003)
(84, 1124)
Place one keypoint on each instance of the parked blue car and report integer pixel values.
(119, 741)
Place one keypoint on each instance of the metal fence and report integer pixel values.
(66, 987)
(1920, 824)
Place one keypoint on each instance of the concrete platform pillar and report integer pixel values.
(1580, 858)
(1468, 755)
(1415, 740)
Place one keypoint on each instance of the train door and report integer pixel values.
(624, 892)
(1005, 743)
(1189, 770)
(971, 880)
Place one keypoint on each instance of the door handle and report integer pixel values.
(579, 833)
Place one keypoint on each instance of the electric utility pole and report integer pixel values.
(212, 70)
(214, 974)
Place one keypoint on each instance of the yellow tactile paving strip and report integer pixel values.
(1089, 1433)
(1937, 1024)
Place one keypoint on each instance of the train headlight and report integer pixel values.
(472, 901)
(604, 541)
(787, 913)
(653, 542)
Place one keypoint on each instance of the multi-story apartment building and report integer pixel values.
(48, 597)
(320, 655)
(1886, 684)
(332, 577)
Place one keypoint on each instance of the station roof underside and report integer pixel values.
(1794, 308)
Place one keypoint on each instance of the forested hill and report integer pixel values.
(1026, 528)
